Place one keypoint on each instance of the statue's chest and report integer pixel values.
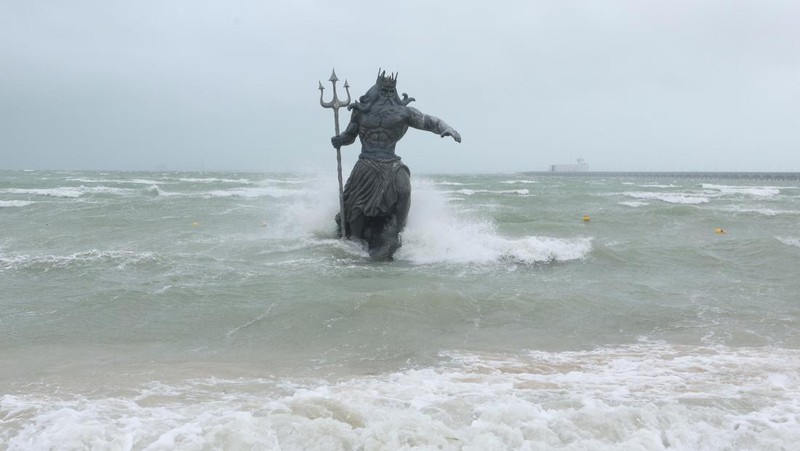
(386, 117)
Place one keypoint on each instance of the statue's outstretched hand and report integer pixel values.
(337, 141)
(453, 133)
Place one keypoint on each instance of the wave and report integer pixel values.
(437, 233)
(671, 198)
(789, 240)
(655, 185)
(69, 191)
(471, 192)
(214, 180)
(15, 203)
(521, 182)
(247, 193)
(120, 181)
(634, 204)
(753, 191)
(760, 211)
(114, 258)
(646, 396)
(252, 192)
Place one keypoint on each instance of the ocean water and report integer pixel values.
(196, 311)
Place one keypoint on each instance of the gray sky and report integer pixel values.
(687, 85)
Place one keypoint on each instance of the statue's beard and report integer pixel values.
(388, 101)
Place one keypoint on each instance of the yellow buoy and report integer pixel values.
(195, 224)
(719, 231)
(586, 218)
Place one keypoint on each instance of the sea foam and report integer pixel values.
(641, 396)
(115, 258)
(789, 240)
(754, 191)
(15, 203)
(437, 233)
(671, 198)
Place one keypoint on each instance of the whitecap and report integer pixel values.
(117, 258)
(753, 191)
(15, 203)
(214, 180)
(671, 198)
(119, 181)
(789, 240)
(69, 191)
(253, 192)
(760, 211)
(655, 185)
(634, 204)
(470, 192)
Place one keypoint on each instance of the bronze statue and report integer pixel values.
(377, 196)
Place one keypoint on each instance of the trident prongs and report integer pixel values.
(335, 103)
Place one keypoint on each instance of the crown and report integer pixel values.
(390, 81)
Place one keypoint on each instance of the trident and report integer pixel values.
(335, 103)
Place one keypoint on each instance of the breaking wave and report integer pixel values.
(671, 198)
(789, 240)
(754, 191)
(437, 234)
(113, 258)
(15, 203)
(646, 396)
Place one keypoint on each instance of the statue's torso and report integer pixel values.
(380, 129)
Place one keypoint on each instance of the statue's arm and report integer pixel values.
(348, 136)
(432, 124)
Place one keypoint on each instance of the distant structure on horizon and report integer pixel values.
(580, 166)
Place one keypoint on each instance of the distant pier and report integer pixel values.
(788, 176)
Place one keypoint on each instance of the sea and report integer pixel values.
(218, 310)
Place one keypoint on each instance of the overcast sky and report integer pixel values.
(694, 85)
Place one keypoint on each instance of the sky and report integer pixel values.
(678, 85)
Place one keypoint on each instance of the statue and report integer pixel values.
(377, 196)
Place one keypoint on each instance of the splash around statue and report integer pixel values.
(377, 196)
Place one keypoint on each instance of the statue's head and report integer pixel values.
(383, 91)
(387, 86)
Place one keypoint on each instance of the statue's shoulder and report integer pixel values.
(413, 112)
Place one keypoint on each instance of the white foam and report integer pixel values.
(451, 183)
(522, 182)
(214, 180)
(253, 192)
(118, 258)
(634, 204)
(789, 240)
(760, 211)
(655, 185)
(68, 191)
(53, 192)
(436, 233)
(645, 396)
(753, 191)
(671, 198)
(120, 181)
(15, 203)
(471, 192)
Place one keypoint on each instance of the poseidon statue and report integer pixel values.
(377, 195)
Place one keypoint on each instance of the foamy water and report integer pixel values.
(646, 396)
